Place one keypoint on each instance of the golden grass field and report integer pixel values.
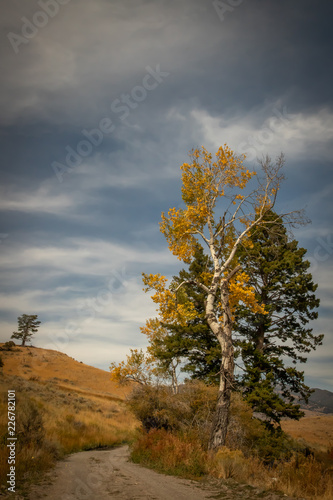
(48, 365)
(54, 379)
(316, 430)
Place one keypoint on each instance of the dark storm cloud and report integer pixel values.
(259, 80)
(261, 51)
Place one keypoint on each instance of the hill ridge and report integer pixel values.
(46, 365)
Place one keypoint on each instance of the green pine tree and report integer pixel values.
(272, 345)
(268, 347)
(27, 326)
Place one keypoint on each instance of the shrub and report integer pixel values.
(305, 476)
(274, 446)
(243, 429)
(34, 453)
(177, 454)
(29, 423)
(229, 463)
(159, 408)
(8, 346)
(253, 437)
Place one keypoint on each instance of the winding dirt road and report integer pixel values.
(107, 474)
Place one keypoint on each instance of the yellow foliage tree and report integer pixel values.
(145, 368)
(136, 368)
(219, 214)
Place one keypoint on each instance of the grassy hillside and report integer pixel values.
(314, 430)
(62, 406)
(45, 365)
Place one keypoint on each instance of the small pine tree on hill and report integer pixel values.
(27, 327)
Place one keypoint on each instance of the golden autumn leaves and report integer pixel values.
(170, 311)
(204, 181)
(169, 308)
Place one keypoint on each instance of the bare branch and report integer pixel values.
(233, 272)
(192, 282)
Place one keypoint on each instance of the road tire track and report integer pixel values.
(108, 474)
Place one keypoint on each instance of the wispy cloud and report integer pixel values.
(272, 128)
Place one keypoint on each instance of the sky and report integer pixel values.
(100, 104)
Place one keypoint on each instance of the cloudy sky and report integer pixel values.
(101, 102)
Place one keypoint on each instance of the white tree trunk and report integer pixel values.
(224, 336)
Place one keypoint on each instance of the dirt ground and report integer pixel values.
(107, 474)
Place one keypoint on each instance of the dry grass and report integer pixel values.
(316, 430)
(184, 455)
(171, 454)
(254, 456)
(83, 430)
(45, 365)
(79, 405)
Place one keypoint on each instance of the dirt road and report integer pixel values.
(107, 474)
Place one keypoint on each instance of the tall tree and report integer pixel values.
(273, 344)
(268, 345)
(27, 326)
(205, 184)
